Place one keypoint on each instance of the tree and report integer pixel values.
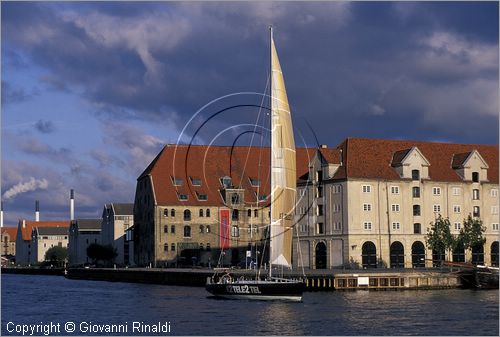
(471, 233)
(97, 252)
(439, 237)
(57, 255)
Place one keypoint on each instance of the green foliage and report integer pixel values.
(56, 255)
(439, 237)
(97, 252)
(471, 233)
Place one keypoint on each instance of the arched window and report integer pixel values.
(165, 247)
(236, 215)
(320, 253)
(478, 254)
(187, 215)
(235, 231)
(172, 229)
(458, 254)
(165, 229)
(208, 229)
(235, 198)
(397, 255)
(369, 255)
(255, 213)
(208, 212)
(165, 212)
(172, 212)
(418, 255)
(187, 231)
(494, 254)
(172, 247)
(201, 229)
(208, 246)
(249, 213)
(201, 212)
(201, 246)
(415, 174)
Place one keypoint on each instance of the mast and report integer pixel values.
(271, 149)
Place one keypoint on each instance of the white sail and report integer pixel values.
(283, 168)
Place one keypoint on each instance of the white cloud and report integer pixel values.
(22, 187)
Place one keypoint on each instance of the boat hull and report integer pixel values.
(480, 278)
(258, 290)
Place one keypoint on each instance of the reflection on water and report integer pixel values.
(31, 299)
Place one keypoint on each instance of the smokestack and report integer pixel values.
(37, 211)
(72, 205)
(1, 214)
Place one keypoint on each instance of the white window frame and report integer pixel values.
(395, 189)
(457, 209)
(396, 225)
(456, 191)
(436, 208)
(367, 207)
(366, 188)
(476, 194)
(494, 209)
(367, 225)
(436, 190)
(494, 227)
(458, 226)
(395, 208)
(494, 192)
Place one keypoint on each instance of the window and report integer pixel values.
(208, 246)
(201, 196)
(320, 210)
(475, 212)
(456, 191)
(336, 208)
(195, 181)
(249, 213)
(395, 207)
(165, 212)
(475, 177)
(437, 208)
(255, 213)
(475, 194)
(456, 209)
(302, 192)
(254, 182)
(367, 225)
(396, 225)
(172, 247)
(320, 192)
(416, 192)
(187, 231)
(367, 188)
(207, 228)
(235, 199)
(187, 215)
(336, 189)
(225, 181)
(367, 207)
(176, 181)
(235, 231)
(207, 213)
(201, 246)
(415, 175)
(436, 190)
(172, 229)
(494, 209)
(261, 197)
(319, 176)
(395, 189)
(165, 229)
(320, 228)
(235, 215)
(202, 229)
(201, 213)
(458, 225)
(165, 247)
(337, 226)
(495, 227)
(417, 228)
(182, 196)
(494, 192)
(172, 212)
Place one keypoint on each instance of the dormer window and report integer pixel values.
(182, 196)
(235, 199)
(201, 196)
(415, 174)
(176, 181)
(254, 182)
(475, 177)
(225, 181)
(260, 197)
(195, 181)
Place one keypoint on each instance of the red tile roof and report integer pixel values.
(29, 225)
(210, 164)
(11, 231)
(372, 158)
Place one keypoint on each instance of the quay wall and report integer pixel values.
(33, 271)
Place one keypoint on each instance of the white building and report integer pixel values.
(82, 233)
(116, 219)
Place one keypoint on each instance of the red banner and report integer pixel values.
(224, 228)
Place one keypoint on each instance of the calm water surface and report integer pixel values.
(28, 299)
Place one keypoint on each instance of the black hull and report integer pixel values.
(480, 278)
(258, 290)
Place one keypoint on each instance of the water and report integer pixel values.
(28, 299)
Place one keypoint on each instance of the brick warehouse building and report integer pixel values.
(192, 201)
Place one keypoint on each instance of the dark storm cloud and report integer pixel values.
(45, 126)
(352, 69)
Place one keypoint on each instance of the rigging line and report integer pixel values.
(300, 251)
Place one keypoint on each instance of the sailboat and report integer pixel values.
(283, 198)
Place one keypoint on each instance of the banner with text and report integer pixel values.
(224, 228)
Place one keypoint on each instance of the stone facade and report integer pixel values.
(8, 241)
(82, 233)
(116, 219)
(44, 238)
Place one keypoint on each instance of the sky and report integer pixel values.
(91, 91)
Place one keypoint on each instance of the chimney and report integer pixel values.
(24, 223)
(1, 214)
(72, 204)
(37, 211)
(341, 157)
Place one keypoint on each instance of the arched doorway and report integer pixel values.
(369, 255)
(458, 253)
(478, 254)
(320, 255)
(397, 255)
(494, 254)
(437, 258)
(418, 255)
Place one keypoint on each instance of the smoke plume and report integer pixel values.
(31, 185)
